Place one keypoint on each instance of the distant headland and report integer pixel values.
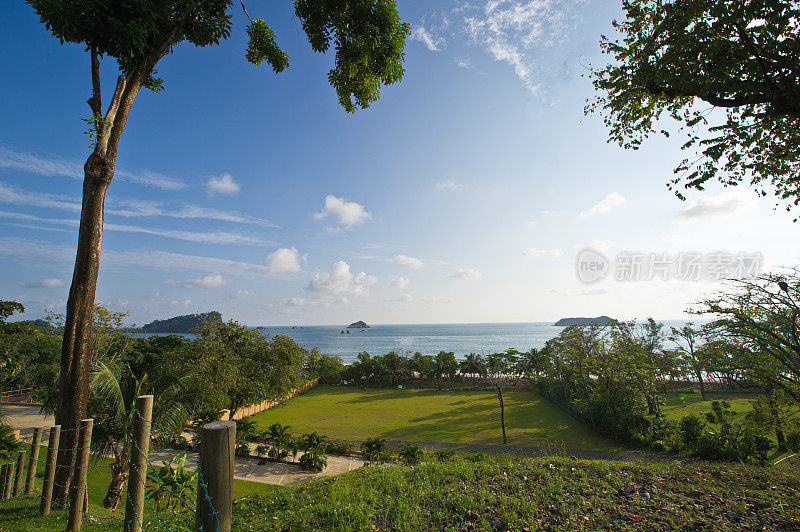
(358, 325)
(181, 324)
(600, 320)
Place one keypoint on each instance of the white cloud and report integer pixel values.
(407, 298)
(223, 184)
(725, 204)
(349, 213)
(432, 42)
(47, 283)
(53, 166)
(465, 62)
(525, 35)
(408, 262)
(532, 223)
(127, 207)
(340, 281)
(610, 202)
(463, 273)
(216, 237)
(400, 282)
(539, 253)
(162, 260)
(449, 184)
(243, 294)
(285, 260)
(295, 302)
(177, 303)
(209, 281)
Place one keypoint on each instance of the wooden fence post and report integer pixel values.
(5, 479)
(8, 484)
(50, 469)
(137, 470)
(19, 470)
(214, 499)
(33, 460)
(78, 486)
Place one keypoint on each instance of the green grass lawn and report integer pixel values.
(459, 416)
(22, 513)
(678, 404)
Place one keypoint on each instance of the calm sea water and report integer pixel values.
(462, 339)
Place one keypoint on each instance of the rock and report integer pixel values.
(358, 325)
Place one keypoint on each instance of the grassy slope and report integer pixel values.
(22, 513)
(504, 493)
(461, 416)
(679, 404)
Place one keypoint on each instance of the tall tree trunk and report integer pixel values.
(702, 385)
(73, 392)
(119, 475)
(502, 413)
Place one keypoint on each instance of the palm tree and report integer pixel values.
(114, 392)
(280, 438)
(472, 365)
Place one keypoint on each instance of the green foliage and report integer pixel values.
(243, 366)
(374, 450)
(411, 453)
(130, 31)
(9, 444)
(314, 448)
(742, 57)
(369, 39)
(188, 323)
(171, 486)
(280, 440)
(793, 441)
(328, 369)
(8, 308)
(443, 455)
(262, 46)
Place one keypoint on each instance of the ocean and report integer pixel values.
(460, 338)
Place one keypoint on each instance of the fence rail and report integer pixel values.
(268, 403)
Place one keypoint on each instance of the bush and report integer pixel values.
(477, 457)
(342, 447)
(411, 453)
(690, 430)
(171, 484)
(793, 441)
(242, 449)
(313, 462)
(443, 455)
(314, 446)
(374, 450)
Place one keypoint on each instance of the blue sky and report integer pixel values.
(461, 196)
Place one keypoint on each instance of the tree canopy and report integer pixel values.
(367, 35)
(675, 58)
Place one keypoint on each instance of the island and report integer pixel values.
(181, 324)
(358, 325)
(600, 320)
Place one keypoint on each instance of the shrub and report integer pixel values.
(242, 449)
(443, 455)
(690, 430)
(313, 462)
(314, 446)
(280, 440)
(342, 447)
(171, 484)
(374, 450)
(477, 457)
(411, 453)
(793, 441)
